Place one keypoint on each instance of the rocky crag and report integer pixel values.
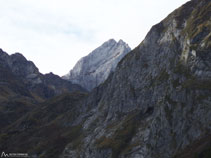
(23, 87)
(157, 104)
(16, 67)
(94, 69)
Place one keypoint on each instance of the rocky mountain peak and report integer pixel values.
(122, 42)
(93, 69)
(110, 42)
(21, 66)
(4, 58)
(157, 102)
(44, 86)
(18, 56)
(2, 52)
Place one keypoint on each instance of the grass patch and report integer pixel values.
(197, 84)
(198, 21)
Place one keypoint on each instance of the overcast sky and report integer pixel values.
(55, 34)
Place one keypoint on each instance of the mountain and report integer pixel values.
(23, 87)
(45, 130)
(16, 69)
(94, 69)
(156, 103)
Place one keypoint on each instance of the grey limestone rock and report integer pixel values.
(157, 103)
(93, 69)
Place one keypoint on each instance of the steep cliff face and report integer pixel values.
(157, 103)
(93, 69)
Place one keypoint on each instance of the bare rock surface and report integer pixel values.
(94, 69)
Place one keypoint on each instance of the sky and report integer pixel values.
(55, 34)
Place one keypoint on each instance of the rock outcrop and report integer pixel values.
(28, 75)
(94, 69)
(157, 103)
(35, 107)
(23, 87)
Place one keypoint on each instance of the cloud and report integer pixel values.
(56, 33)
